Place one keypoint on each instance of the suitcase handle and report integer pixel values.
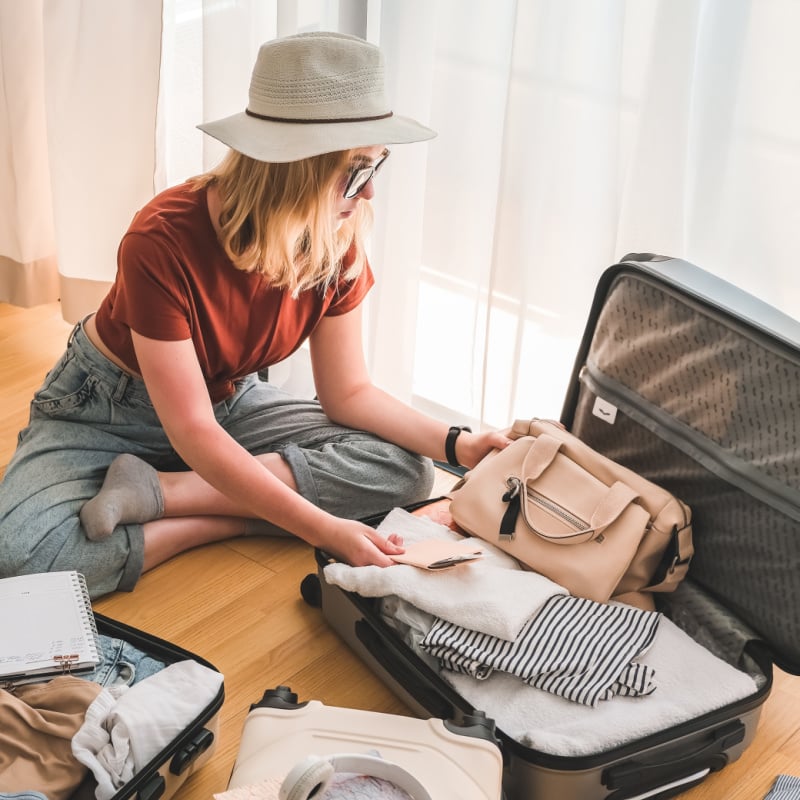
(410, 679)
(643, 776)
(188, 754)
(153, 789)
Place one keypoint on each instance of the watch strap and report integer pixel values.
(450, 443)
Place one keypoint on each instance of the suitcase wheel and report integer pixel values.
(311, 590)
(279, 697)
(476, 724)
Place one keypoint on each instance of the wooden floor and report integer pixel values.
(238, 605)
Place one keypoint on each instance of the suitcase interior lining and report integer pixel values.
(734, 385)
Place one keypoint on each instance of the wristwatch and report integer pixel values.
(450, 443)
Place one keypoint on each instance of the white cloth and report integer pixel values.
(491, 595)
(125, 727)
(343, 786)
(104, 751)
(691, 681)
(263, 790)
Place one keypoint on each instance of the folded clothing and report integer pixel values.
(575, 648)
(785, 787)
(691, 682)
(125, 727)
(492, 595)
(37, 723)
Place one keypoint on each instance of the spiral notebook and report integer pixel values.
(47, 627)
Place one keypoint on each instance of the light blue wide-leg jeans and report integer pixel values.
(88, 411)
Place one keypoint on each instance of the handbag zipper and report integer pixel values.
(567, 516)
(513, 497)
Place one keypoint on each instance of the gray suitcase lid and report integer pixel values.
(708, 379)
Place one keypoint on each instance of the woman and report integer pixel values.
(157, 403)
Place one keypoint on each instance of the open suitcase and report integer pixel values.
(303, 744)
(167, 771)
(694, 384)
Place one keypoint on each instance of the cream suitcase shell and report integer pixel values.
(452, 762)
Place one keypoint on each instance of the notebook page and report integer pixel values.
(43, 616)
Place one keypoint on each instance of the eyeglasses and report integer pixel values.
(361, 176)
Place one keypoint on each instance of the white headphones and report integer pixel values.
(312, 776)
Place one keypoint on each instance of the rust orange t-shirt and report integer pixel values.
(174, 282)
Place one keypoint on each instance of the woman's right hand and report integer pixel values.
(361, 545)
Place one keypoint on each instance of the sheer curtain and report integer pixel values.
(571, 132)
(79, 88)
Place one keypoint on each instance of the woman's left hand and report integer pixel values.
(473, 447)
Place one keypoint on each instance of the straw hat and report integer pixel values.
(315, 93)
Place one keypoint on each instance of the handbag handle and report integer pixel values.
(539, 457)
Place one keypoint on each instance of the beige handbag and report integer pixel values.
(566, 511)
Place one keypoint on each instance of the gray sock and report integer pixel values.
(130, 493)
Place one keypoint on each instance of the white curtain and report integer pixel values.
(571, 132)
(27, 259)
(79, 85)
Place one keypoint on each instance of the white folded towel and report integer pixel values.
(491, 595)
(691, 681)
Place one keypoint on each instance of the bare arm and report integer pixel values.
(175, 383)
(349, 397)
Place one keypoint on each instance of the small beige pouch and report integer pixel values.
(437, 554)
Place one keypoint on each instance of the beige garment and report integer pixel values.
(37, 723)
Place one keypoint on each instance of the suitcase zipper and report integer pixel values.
(692, 443)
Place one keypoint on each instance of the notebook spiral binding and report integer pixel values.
(87, 615)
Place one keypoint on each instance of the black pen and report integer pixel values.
(453, 560)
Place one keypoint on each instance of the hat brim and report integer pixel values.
(266, 140)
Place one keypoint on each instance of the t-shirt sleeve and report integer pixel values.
(152, 295)
(348, 294)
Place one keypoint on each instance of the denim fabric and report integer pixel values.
(88, 411)
(22, 796)
(122, 664)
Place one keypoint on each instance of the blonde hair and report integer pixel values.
(279, 219)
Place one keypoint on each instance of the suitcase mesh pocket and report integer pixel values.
(733, 385)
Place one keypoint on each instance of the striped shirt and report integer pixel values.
(575, 648)
(786, 787)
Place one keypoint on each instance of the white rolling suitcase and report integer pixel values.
(303, 745)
